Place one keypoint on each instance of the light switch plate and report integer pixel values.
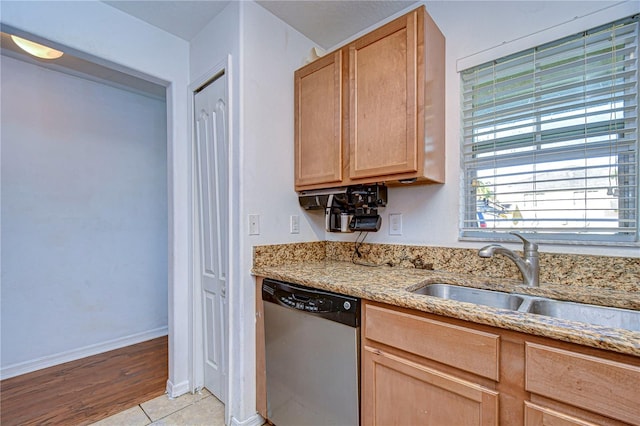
(395, 224)
(294, 224)
(254, 224)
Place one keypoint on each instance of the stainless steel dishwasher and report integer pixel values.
(312, 355)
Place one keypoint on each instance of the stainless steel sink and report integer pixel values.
(591, 314)
(495, 299)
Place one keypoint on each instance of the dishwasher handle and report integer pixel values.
(300, 297)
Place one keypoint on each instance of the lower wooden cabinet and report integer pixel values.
(398, 391)
(599, 385)
(404, 383)
(428, 370)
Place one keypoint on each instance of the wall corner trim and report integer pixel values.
(175, 390)
(254, 420)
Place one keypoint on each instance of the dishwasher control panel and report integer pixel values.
(329, 305)
(318, 304)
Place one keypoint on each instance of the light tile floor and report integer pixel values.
(190, 409)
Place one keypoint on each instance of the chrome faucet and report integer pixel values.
(528, 265)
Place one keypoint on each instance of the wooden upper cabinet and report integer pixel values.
(383, 101)
(318, 123)
(391, 103)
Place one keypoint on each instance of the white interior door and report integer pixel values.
(212, 158)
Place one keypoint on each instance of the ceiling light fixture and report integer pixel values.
(36, 49)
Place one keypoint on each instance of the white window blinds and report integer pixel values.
(550, 139)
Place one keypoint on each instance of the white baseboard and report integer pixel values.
(72, 355)
(177, 389)
(255, 420)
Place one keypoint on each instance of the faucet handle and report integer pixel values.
(528, 245)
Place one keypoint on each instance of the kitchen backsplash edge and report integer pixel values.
(617, 273)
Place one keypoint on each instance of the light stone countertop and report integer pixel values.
(393, 285)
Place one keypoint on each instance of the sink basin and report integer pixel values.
(495, 299)
(592, 314)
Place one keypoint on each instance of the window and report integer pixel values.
(550, 140)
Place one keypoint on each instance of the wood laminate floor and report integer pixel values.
(87, 390)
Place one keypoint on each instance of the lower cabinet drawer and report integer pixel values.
(606, 387)
(535, 415)
(460, 347)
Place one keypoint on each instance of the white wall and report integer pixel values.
(84, 215)
(475, 32)
(101, 32)
(271, 52)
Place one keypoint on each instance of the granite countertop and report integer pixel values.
(393, 285)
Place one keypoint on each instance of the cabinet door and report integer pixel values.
(396, 391)
(383, 107)
(318, 123)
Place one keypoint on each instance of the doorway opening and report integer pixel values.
(85, 211)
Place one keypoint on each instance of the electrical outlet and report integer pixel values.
(395, 224)
(294, 224)
(254, 224)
